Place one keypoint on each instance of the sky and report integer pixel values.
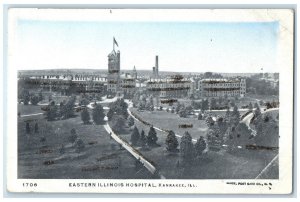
(244, 47)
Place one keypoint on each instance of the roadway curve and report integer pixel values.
(132, 151)
(159, 129)
(247, 119)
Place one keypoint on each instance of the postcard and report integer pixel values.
(191, 101)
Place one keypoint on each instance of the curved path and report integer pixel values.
(159, 129)
(132, 151)
(246, 120)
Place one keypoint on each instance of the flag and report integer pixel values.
(115, 42)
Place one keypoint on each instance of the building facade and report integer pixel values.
(113, 75)
(67, 84)
(230, 87)
(172, 87)
(127, 84)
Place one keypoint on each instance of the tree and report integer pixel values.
(151, 100)
(84, 102)
(118, 123)
(267, 132)
(34, 100)
(141, 105)
(27, 128)
(25, 96)
(36, 128)
(135, 136)
(208, 75)
(178, 107)
(200, 117)
(209, 121)
(85, 116)
(72, 138)
(41, 97)
(250, 107)
(152, 137)
(221, 124)
(68, 108)
(130, 121)
(148, 106)
(171, 142)
(50, 98)
(143, 139)
(110, 114)
(52, 111)
(119, 107)
(98, 114)
(183, 113)
(227, 115)
(213, 103)
(257, 111)
(187, 151)
(79, 145)
(151, 108)
(239, 135)
(200, 146)
(235, 116)
(214, 138)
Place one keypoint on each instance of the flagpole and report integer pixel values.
(114, 43)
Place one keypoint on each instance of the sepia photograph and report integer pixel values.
(174, 99)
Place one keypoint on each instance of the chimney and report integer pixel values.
(156, 65)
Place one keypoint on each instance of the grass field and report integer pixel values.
(214, 165)
(29, 109)
(170, 121)
(100, 159)
(103, 159)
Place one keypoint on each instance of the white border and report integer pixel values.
(285, 62)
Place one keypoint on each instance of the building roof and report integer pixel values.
(126, 76)
(112, 53)
(221, 79)
(168, 80)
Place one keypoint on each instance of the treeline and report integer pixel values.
(261, 87)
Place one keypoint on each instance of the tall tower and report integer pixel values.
(156, 65)
(155, 69)
(113, 76)
(134, 73)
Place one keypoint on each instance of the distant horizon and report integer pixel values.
(82, 69)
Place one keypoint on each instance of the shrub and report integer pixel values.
(143, 139)
(130, 121)
(34, 100)
(200, 146)
(187, 151)
(171, 142)
(85, 116)
(135, 136)
(98, 114)
(79, 144)
(152, 137)
(118, 123)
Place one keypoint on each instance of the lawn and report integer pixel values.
(39, 155)
(29, 109)
(170, 121)
(246, 164)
